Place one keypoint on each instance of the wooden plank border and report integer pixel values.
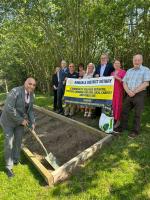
(43, 171)
(64, 171)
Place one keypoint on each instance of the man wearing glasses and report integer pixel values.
(17, 113)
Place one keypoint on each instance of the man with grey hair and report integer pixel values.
(135, 83)
(17, 113)
(104, 68)
(61, 85)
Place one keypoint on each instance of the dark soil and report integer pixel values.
(65, 141)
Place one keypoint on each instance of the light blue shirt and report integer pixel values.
(136, 76)
(102, 69)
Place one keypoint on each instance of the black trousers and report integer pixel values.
(136, 103)
(60, 94)
(55, 99)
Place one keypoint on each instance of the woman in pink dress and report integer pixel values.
(118, 92)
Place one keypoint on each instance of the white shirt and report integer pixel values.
(27, 97)
(102, 69)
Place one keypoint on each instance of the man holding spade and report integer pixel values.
(17, 113)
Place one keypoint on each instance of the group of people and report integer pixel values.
(18, 109)
(134, 82)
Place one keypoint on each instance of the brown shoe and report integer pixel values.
(133, 134)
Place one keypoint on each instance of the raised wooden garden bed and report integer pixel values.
(70, 141)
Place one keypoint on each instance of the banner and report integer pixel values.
(93, 92)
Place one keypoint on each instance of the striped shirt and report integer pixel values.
(136, 76)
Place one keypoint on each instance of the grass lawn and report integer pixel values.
(121, 171)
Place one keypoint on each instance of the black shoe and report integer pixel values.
(60, 111)
(10, 173)
(16, 162)
(118, 130)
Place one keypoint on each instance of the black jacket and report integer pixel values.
(55, 80)
(108, 70)
(74, 75)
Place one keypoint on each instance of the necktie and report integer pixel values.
(27, 95)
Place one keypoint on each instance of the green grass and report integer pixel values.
(121, 171)
(45, 101)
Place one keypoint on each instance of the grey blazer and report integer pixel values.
(14, 109)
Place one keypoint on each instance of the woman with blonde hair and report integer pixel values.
(89, 74)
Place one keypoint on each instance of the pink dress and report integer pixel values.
(118, 94)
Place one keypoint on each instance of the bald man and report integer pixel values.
(135, 83)
(17, 113)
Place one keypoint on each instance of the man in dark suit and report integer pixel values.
(104, 68)
(17, 113)
(61, 85)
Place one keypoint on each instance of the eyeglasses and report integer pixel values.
(71, 66)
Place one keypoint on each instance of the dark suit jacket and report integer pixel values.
(62, 74)
(55, 80)
(14, 109)
(107, 72)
